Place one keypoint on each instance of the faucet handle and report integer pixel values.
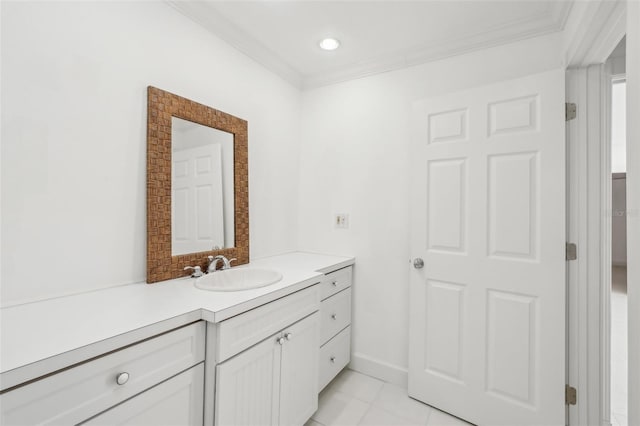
(227, 262)
(197, 271)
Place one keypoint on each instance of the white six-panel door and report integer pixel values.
(487, 311)
(197, 199)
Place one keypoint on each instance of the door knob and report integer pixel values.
(418, 263)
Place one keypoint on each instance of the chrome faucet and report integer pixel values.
(213, 261)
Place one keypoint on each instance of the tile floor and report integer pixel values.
(619, 369)
(356, 399)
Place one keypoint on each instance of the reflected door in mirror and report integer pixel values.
(202, 188)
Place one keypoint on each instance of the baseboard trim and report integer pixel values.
(379, 369)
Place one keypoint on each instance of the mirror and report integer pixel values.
(197, 185)
(201, 188)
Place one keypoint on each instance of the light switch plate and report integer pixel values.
(341, 221)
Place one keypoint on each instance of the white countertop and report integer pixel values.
(45, 336)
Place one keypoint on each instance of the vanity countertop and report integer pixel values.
(48, 335)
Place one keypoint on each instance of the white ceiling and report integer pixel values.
(376, 36)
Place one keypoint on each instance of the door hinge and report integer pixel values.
(571, 251)
(570, 395)
(570, 111)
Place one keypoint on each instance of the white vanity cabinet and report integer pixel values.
(127, 376)
(274, 381)
(335, 318)
(255, 357)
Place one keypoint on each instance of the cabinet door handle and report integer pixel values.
(332, 359)
(334, 283)
(122, 378)
(288, 336)
(334, 316)
(280, 340)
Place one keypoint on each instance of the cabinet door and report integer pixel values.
(178, 401)
(247, 386)
(299, 375)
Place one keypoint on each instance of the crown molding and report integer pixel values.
(560, 12)
(534, 26)
(596, 28)
(207, 16)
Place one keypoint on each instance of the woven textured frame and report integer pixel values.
(161, 106)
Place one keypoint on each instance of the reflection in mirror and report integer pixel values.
(202, 183)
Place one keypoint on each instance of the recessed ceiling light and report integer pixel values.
(329, 44)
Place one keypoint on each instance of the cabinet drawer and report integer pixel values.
(78, 393)
(335, 314)
(336, 281)
(242, 331)
(178, 401)
(334, 356)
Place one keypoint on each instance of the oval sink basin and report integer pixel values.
(238, 279)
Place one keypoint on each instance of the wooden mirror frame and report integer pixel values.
(161, 106)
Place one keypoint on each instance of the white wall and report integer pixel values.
(618, 161)
(619, 220)
(74, 78)
(618, 127)
(355, 159)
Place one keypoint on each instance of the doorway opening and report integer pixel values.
(618, 307)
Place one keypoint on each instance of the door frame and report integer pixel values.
(588, 211)
(589, 275)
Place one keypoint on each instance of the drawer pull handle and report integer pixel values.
(334, 283)
(332, 359)
(122, 378)
(280, 340)
(288, 336)
(334, 316)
